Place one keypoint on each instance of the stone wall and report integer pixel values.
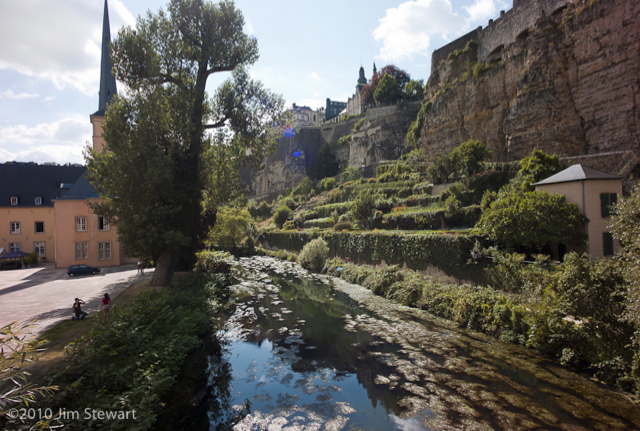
(382, 137)
(501, 31)
(570, 87)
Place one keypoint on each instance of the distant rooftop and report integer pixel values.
(576, 173)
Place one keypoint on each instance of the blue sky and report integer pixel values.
(50, 56)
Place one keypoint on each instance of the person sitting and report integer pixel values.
(77, 310)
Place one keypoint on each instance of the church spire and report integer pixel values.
(107, 81)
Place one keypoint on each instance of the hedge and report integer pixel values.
(428, 220)
(419, 251)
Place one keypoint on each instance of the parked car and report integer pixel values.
(82, 269)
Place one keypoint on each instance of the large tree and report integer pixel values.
(519, 218)
(173, 150)
(402, 78)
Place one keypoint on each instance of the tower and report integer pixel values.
(107, 84)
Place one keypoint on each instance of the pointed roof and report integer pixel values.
(80, 190)
(576, 173)
(107, 81)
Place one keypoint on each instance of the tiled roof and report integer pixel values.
(26, 181)
(576, 173)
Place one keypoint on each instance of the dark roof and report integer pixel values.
(576, 173)
(107, 81)
(81, 190)
(27, 181)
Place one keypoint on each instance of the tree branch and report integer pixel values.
(220, 69)
(172, 80)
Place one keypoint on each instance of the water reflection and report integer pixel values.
(303, 354)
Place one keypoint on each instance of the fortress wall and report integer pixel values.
(512, 23)
(442, 53)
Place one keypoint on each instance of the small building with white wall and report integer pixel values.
(594, 192)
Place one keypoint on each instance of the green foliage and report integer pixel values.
(328, 183)
(468, 157)
(417, 250)
(415, 129)
(262, 211)
(322, 223)
(314, 254)
(626, 228)
(305, 187)
(452, 207)
(163, 177)
(232, 225)
(281, 215)
(387, 90)
(414, 90)
(536, 167)
(358, 124)
(350, 174)
(440, 168)
(131, 361)
(527, 219)
(362, 206)
(18, 348)
(212, 261)
(480, 68)
(424, 188)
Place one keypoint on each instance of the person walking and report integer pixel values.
(106, 306)
(140, 267)
(77, 309)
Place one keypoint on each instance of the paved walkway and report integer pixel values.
(46, 294)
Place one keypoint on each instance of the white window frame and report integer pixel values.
(104, 251)
(102, 221)
(38, 200)
(81, 224)
(82, 250)
(15, 228)
(14, 200)
(40, 247)
(15, 246)
(35, 225)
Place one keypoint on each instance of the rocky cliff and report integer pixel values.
(381, 137)
(569, 85)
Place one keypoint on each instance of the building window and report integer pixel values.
(607, 244)
(15, 228)
(14, 246)
(82, 250)
(38, 200)
(40, 248)
(81, 224)
(104, 250)
(14, 200)
(39, 227)
(103, 223)
(607, 200)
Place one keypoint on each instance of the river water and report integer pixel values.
(308, 352)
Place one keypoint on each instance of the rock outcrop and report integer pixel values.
(568, 86)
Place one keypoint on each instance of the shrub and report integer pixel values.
(322, 223)
(358, 124)
(232, 225)
(452, 206)
(214, 261)
(328, 183)
(362, 206)
(281, 215)
(304, 188)
(314, 255)
(350, 174)
(289, 225)
(424, 188)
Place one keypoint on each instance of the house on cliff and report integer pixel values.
(594, 192)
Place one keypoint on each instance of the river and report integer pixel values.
(308, 352)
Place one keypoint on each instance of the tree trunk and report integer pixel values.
(165, 267)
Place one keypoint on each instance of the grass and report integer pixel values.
(52, 359)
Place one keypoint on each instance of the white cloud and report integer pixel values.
(57, 41)
(9, 94)
(406, 31)
(482, 10)
(314, 76)
(312, 103)
(61, 141)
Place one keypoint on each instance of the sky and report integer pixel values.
(309, 51)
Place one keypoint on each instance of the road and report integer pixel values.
(46, 294)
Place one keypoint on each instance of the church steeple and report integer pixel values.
(107, 81)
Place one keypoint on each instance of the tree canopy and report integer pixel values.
(387, 90)
(468, 157)
(173, 150)
(402, 78)
(528, 219)
(536, 167)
